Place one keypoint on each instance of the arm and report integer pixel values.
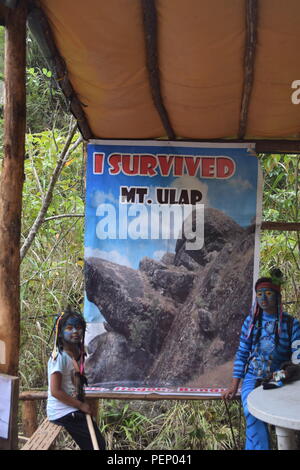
(240, 362)
(58, 393)
(243, 351)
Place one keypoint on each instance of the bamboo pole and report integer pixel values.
(11, 184)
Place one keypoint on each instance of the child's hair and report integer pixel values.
(60, 322)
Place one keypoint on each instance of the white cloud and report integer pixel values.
(239, 184)
(191, 182)
(99, 197)
(158, 254)
(114, 256)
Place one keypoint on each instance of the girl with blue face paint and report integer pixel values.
(266, 342)
(267, 300)
(65, 405)
(72, 333)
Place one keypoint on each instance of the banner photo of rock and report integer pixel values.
(171, 254)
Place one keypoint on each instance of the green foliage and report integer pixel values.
(46, 106)
(281, 203)
(193, 425)
(42, 150)
(45, 103)
(51, 273)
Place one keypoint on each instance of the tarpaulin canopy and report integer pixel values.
(222, 68)
(193, 69)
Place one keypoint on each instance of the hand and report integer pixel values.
(85, 408)
(229, 393)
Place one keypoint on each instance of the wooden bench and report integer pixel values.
(44, 437)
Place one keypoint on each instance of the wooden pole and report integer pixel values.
(92, 432)
(94, 406)
(150, 33)
(11, 184)
(29, 418)
(249, 62)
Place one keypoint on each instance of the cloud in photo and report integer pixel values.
(100, 197)
(157, 255)
(240, 184)
(114, 256)
(191, 182)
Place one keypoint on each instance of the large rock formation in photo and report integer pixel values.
(177, 320)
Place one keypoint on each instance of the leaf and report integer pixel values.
(69, 162)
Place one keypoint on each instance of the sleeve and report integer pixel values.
(295, 343)
(243, 351)
(57, 365)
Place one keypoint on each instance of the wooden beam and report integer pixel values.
(40, 28)
(261, 145)
(150, 29)
(281, 226)
(278, 146)
(130, 396)
(251, 26)
(11, 185)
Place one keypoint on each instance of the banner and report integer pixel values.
(171, 251)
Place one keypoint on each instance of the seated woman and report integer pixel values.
(65, 405)
(266, 342)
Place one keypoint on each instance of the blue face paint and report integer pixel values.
(267, 299)
(73, 331)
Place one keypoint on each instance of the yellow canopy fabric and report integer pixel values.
(201, 55)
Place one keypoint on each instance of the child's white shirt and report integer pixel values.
(63, 364)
